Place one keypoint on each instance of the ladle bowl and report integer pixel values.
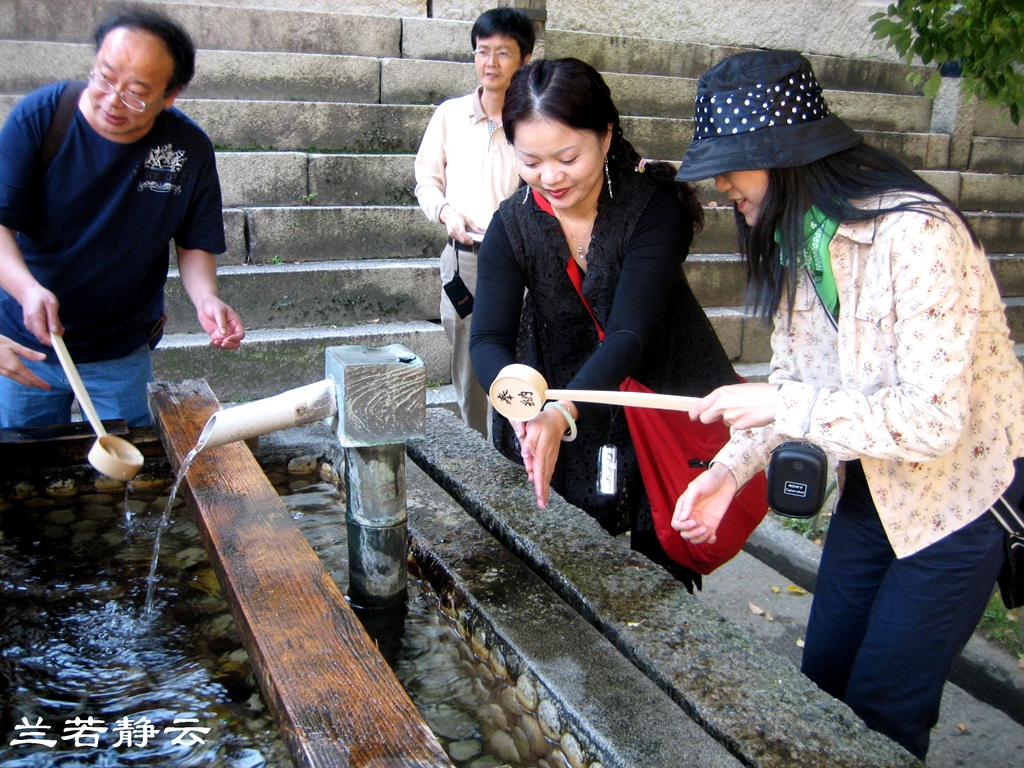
(110, 455)
(519, 393)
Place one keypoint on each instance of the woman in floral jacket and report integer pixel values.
(891, 352)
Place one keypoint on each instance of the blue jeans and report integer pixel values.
(884, 633)
(116, 387)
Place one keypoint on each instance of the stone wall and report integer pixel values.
(835, 27)
(369, 7)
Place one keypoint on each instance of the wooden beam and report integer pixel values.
(335, 699)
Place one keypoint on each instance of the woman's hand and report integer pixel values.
(540, 439)
(700, 509)
(742, 406)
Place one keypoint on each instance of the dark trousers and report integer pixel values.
(884, 633)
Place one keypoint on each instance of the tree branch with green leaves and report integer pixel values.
(986, 37)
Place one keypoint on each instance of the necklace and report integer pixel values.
(578, 244)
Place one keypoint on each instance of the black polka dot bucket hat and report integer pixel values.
(759, 110)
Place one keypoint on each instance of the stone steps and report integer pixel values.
(325, 244)
(318, 294)
(287, 178)
(271, 361)
(397, 128)
(336, 78)
(217, 27)
(329, 233)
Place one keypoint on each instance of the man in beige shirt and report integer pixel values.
(464, 169)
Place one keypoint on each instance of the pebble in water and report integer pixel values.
(550, 724)
(503, 746)
(571, 751)
(526, 693)
(498, 663)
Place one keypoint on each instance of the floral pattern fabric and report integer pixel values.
(919, 381)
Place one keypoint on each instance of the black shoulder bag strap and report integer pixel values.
(62, 117)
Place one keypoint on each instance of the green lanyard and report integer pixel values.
(817, 259)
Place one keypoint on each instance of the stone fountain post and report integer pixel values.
(381, 405)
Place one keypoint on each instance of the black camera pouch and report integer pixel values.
(459, 296)
(797, 477)
(457, 291)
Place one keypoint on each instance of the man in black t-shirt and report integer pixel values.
(84, 242)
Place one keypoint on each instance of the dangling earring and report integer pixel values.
(608, 176)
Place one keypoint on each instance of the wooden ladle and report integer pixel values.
(519, 393)
(112, 456)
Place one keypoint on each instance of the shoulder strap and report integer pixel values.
(62, 117)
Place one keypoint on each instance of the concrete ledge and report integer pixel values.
(631, 55)
(310, 126)
(995, 155)
(742, 335)
(717, 279)
(318, 294)
(437, 39)
(947, 182)
(31, 65)
(262, 178)
(881, 111)
(990, 120)
(327, 233)
(728, 326)
(920, 151)
(719, 233)
(652, 95)
(752, 701)
(362, 179)
(620, 717)
(285, 77)
(991, 192)
(1008, 269)
(636, 55)
(412, 81)
(272, 361)
(1015, 317)
(300, 179)
(234, 237)
(999, 232)
(215, 27)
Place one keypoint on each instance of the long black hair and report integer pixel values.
(573, 93)
(843, 186)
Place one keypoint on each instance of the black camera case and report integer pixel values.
(797, 477)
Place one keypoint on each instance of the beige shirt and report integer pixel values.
(920, 380)
(461, 163)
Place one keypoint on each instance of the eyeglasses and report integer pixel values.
(503, 57)
(133, 103)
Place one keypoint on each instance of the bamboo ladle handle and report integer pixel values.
(519, 392)
(76, 384)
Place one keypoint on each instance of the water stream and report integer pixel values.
(164, 520)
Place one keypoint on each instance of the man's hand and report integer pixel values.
(700, 509)
(198, 270)
(459, 226)
(221, 322)
(39, 313)
(11, 366)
